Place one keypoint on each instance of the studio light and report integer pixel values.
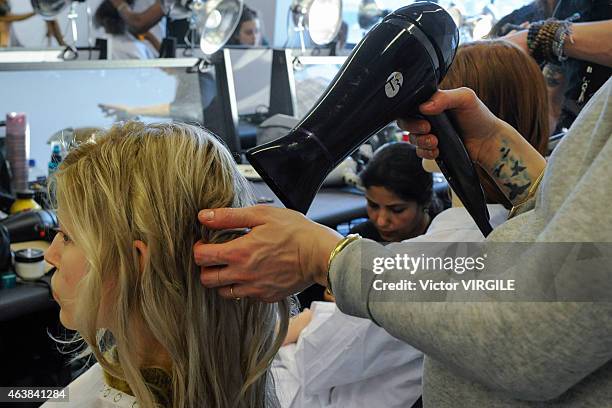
(321, 18)
(216, 21)
(48, 9)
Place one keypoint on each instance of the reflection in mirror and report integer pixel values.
(49, 9)
(312, 76)
(54, 99)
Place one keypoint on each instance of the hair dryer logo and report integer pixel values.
(394, 84)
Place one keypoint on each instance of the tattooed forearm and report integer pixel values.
(510, 171)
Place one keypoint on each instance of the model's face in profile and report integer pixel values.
(394, 218)
(71, 266)
(249, 33)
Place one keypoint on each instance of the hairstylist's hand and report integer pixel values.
(477, 125)
(282, 254)
(120, 112)
(519, 38)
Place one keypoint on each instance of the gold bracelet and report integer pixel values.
(339, 247)
(532, 191)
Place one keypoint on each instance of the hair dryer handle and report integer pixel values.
(459, 170)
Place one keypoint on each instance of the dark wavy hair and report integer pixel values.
(248, 14)
(108, 17)
(396, 167)
(5, 7)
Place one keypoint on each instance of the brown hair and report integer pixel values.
(512, 86)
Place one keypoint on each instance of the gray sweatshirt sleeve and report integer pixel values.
(532, 351)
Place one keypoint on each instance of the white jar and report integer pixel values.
(30, 263)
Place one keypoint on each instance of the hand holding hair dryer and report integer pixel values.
(396, 67)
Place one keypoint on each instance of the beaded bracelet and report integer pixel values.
(562, 33)
(546, 39)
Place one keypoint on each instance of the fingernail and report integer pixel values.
(428, 104)
(206, 215)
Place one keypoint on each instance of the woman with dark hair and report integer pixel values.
(398, 193)
(248, 30)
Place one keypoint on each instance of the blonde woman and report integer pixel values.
(127, 281)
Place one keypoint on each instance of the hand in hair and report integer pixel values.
(282, 254)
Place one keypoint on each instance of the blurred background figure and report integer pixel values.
(7, 36)
(340, 41)
(571, 81)
(123, 44)
(248, 31)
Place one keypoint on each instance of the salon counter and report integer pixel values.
(26, 297)
(331, 206)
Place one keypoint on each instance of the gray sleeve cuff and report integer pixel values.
(347, 277)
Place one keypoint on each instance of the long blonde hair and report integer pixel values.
(148, 182)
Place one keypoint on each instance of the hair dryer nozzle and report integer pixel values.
(293, 166)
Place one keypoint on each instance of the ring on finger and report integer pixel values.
(236, 298)
(218, 278)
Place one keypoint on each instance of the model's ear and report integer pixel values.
(143, 252)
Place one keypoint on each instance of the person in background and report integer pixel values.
(512, 86)
(7, 18)
(248, 30)
(123, 44)
(399, 195)
(569, 40)
(157, 33)
(127, 282)
(141, 22)
(194, 98)
(341, 39)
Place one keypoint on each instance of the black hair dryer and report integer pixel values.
(395, 68)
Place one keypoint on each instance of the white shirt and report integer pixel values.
(455, 224)
(126, 46)
(89, 390)
(344, 361)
